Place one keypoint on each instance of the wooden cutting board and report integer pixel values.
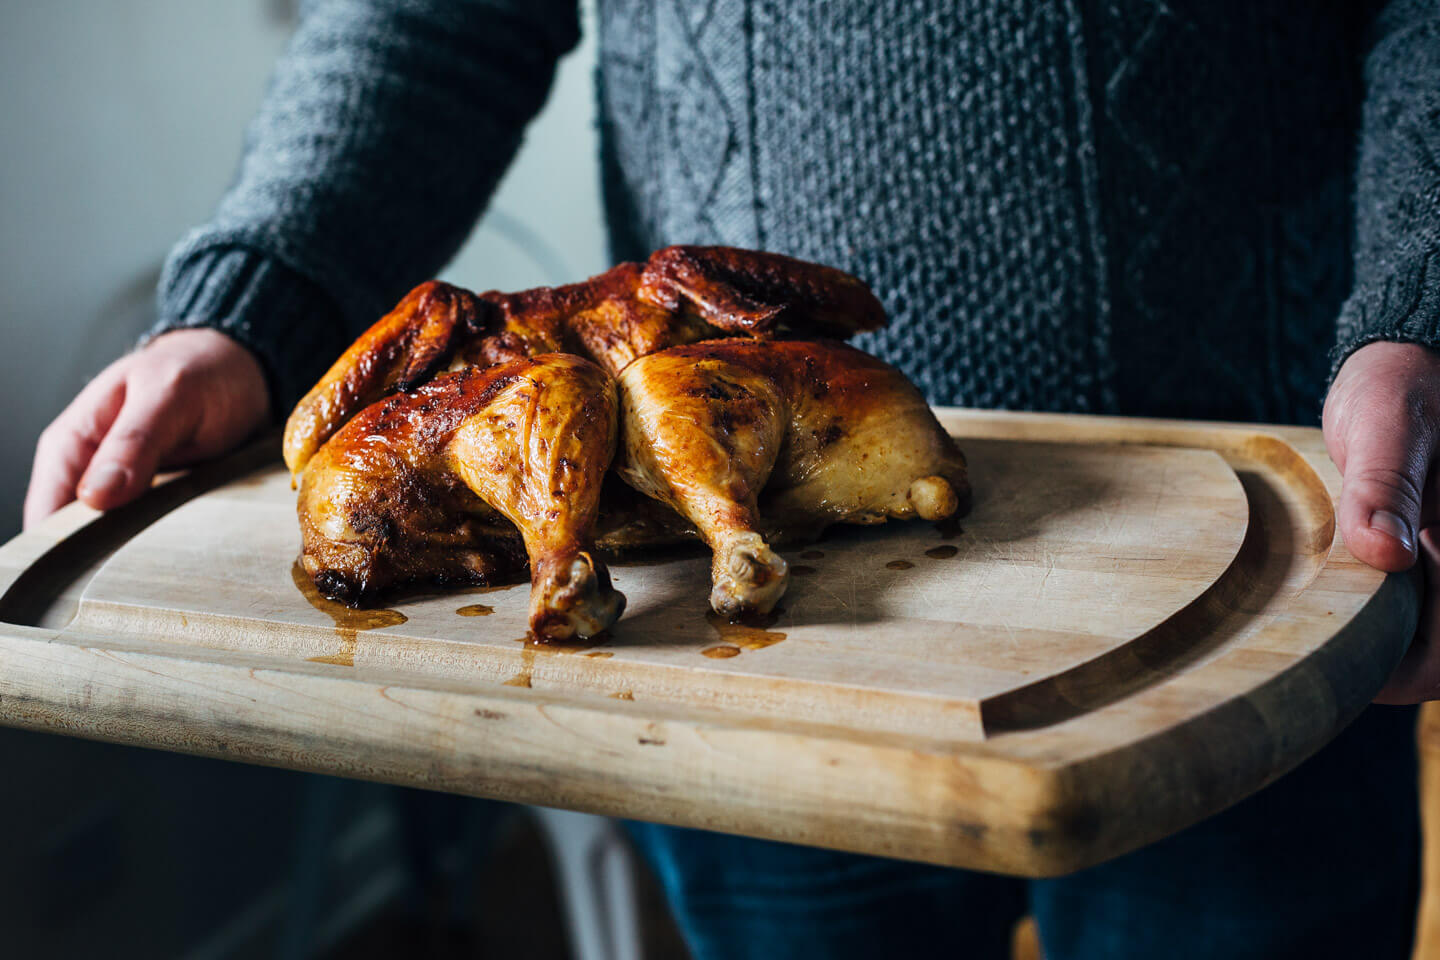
(1139, 624)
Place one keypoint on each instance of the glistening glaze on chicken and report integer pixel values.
(502, 416)
(433, 483)
(746, 438)
(680, 295)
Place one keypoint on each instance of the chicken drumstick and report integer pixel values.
(416, 487)
(747, 439)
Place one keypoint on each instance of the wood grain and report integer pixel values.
(1427, 918)
(1067, 557)
(1141, 623)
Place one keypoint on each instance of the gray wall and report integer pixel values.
(123, 123)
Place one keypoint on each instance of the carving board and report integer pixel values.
(1138, 624)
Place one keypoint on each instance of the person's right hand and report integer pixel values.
(186, 395)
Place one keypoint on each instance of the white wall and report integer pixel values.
(122, 125)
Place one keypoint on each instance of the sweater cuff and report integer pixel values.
(282, 317)
(1403, 308)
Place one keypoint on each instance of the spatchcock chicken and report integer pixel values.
(464, 437)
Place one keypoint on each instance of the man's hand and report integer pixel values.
(1382, 428)
(186, 395)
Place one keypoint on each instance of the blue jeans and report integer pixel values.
(1323, 863)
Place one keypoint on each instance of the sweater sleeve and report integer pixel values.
(1396, 295)
(386, 127)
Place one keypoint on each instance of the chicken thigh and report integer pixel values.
(421, 486)
(752, 440)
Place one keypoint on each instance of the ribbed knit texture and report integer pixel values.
(1397, 277)
(1127, 205)
(291, 325)
(385, 129)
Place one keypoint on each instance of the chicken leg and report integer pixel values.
(747, 439)
(420, 486)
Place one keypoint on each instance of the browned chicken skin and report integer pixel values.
(680, 295)
(417, 486)
(746, 438)
(503, 415)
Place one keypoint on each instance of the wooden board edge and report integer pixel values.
(969, 810)
(1327, 684)
(1042, 805)
(582, 753)
(39, 565)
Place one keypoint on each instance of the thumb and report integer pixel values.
(1386, 458)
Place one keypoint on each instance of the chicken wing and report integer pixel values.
(680, 295)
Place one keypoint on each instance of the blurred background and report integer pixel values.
(123, 124)
(123, 127)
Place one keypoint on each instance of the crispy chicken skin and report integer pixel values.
(680, 295)
(465, 434)
(749, 440)
(416, 486)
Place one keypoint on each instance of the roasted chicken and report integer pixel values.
(463, 436)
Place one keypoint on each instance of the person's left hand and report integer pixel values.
(1382, 429)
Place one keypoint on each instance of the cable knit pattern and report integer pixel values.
(1225, 151)
(1138, 206)
(932, 150)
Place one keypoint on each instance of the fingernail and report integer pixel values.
(105, 480)
(1392, 525)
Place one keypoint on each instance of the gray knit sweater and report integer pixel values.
(1132, 206)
